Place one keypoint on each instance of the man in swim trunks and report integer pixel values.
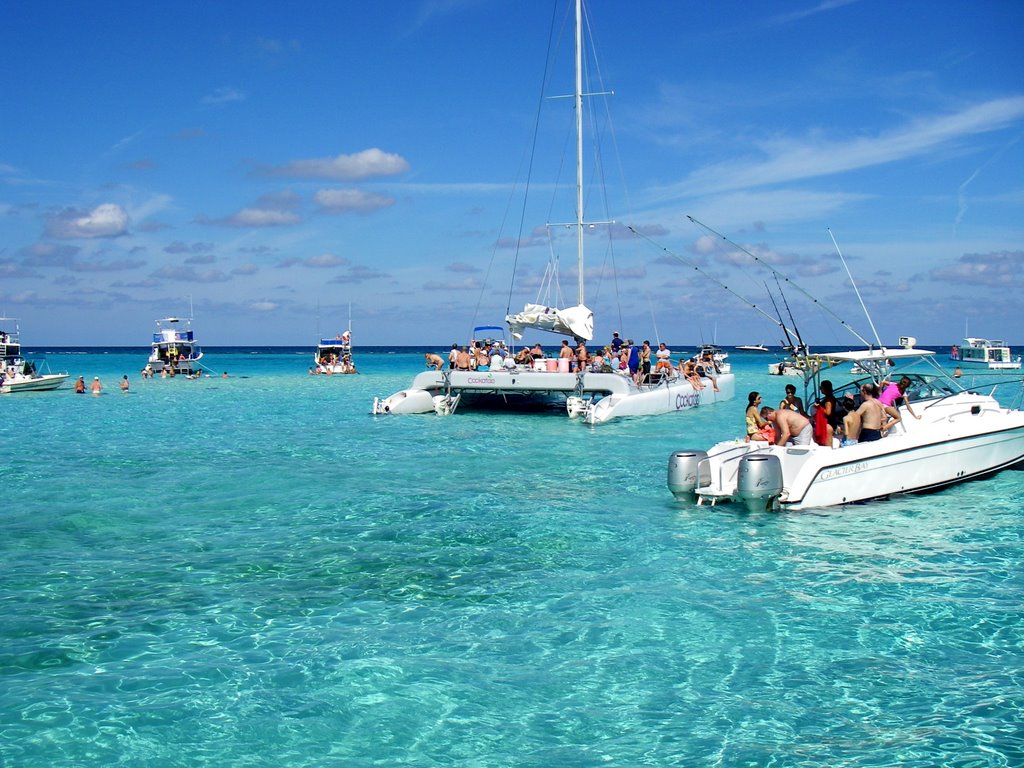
(790, 426)
(875, 419)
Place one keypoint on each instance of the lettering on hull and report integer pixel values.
(687, 401)
(844, 471)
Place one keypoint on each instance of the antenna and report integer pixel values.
(855, 288)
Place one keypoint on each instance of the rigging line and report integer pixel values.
(654, 322)
(776, 272)
(855, 288)
(715, 280)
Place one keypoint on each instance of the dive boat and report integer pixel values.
(986, 353)
(335, 355)
(16, 373)
(174, 350)
(959, 435)
(595, 396)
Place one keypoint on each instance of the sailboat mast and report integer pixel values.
(579, 145)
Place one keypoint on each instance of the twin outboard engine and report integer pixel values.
(759, 481)
(686, 473)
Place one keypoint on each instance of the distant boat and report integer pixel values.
(174, 351)
(753, 347)
(16, 373)
(985, 353)
(335, 355)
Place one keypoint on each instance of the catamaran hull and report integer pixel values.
(672, 397)
(605, 396)
(34, 384)
(973, 442)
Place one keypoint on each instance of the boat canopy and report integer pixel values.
(577, 321)
(875, 355)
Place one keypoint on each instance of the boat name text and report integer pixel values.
(849, 469)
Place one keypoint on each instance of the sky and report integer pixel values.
(274, 169)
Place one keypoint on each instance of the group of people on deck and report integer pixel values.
(618, 356)
(864, 418)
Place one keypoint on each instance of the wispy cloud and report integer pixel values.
(795, 160)
(823, 7)
(224, 95)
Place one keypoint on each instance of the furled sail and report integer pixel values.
(577, 321)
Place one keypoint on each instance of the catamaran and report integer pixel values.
(595, 396)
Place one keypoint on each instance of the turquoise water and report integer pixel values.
(254, 571)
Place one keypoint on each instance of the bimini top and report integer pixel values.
(879, 355)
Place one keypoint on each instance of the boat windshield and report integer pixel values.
(923, 386)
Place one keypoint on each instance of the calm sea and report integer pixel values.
(254, 571)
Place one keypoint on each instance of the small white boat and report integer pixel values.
(174, 350)
(794, 366)
(334, 356)
(993, 354)
(960, 435)
(16, 373)
(752, 348)
(716, 354)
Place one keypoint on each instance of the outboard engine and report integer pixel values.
(576, 406)
(759, 481)
(445, 405)
(685, 472)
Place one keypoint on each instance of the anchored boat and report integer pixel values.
(985, 353)
(595, 396)
(960, 435)
(16, 373)
(174, 349)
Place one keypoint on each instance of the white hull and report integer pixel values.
(42, 383)
(983, 353)
(958, 438)
(606, 396)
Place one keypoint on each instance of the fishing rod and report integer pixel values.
(789, 340)
(785, 303)
(855, 288)
(778, 274)
(715, 280)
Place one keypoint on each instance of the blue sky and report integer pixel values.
(276, 163)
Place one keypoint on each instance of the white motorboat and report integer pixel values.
(960, 435)
(174, 350)
(334, 356)
(752, 348)
(594, 395)
(16, 373)
(985, 353)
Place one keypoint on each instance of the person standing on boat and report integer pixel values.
(453, 357)
(874, 418)
(616, 344)
(566, 353)
(582, 356)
